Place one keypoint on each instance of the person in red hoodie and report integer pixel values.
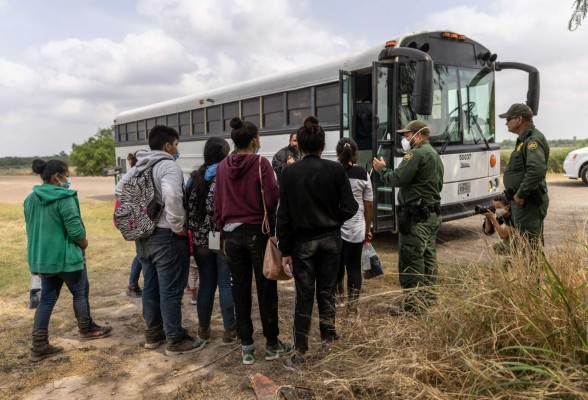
(239, 214)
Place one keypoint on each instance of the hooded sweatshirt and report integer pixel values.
(237, 195)
(169, 187)
(54, 225)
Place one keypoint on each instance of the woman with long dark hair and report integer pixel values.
(213, 266)
(56, 240)
(239, 214)
(357, 229)
(315, 200)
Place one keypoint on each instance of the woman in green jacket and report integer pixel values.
(56, 240)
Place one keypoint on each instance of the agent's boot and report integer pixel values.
(41, 348)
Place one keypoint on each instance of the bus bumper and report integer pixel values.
(449, 212)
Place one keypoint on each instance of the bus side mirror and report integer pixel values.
(422, 93)
(533, 89)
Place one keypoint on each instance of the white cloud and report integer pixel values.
(73, 85)
(14, 75)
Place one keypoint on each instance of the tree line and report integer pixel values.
(89, 158)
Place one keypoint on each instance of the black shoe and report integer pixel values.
(294, 363)
(184, 346)
(154, 341)
(38, 354)
(96, 332)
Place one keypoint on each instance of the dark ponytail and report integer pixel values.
(346, 151)
(49, 168)
(215, 150)
(243, 133)
(311, 136)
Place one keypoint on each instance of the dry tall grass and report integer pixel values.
(494, 333)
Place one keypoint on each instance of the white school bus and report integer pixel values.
(441, 77)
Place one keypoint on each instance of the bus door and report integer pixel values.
(383, 144)
(346, 88)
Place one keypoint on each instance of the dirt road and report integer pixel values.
(118, 367)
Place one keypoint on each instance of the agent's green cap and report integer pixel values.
(518, 110)
(414, 126)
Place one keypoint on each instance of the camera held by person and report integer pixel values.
(478, 209)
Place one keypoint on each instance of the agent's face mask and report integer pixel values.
(500, 212)
(407, 143)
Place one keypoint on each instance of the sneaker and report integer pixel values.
(273, 353)
(155, 341)
(229, 336)
(184, 346)
(248, 354)
(294, 363)
(96, 332)
(204, 333)
(49, 351)
(193, 301)
(134, 291)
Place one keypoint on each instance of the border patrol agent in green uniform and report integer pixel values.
(420, 179)
(524, 177)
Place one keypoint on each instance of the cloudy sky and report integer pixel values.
(67, 67)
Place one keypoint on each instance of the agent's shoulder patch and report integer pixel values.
(408, 157)
(532, 145)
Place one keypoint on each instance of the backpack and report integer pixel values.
(139, 211)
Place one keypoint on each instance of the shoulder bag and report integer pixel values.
(272, 260)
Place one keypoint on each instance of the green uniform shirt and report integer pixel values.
(419, 176)
(527, 166)
(54, 225)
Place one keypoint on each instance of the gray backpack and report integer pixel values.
(139, 211)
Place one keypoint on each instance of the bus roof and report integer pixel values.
(285, 81)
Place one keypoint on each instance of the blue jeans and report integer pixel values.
(135, 272)
(213, 271)
(79, 287)
(165, 258)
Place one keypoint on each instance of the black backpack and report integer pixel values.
(139, 211)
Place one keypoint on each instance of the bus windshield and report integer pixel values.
(463, 105)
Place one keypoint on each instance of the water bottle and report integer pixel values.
(35, 291)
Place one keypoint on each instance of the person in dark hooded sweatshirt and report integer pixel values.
(239, 214)
(56, 240)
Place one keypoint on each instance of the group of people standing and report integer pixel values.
(320, 211)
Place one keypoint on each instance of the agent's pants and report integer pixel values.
(417, 262)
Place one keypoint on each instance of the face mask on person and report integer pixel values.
(407, 143)
(176, 155)
(500, 212)
(66, 184)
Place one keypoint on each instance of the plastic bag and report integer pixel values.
(370, 262)
(34, 291)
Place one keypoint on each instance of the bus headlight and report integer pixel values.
(489, 186)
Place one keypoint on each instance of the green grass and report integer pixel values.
(107, 253)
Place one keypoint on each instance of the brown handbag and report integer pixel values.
(272, 260)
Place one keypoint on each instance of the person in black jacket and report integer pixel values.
(315, 200)
(286, 156)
